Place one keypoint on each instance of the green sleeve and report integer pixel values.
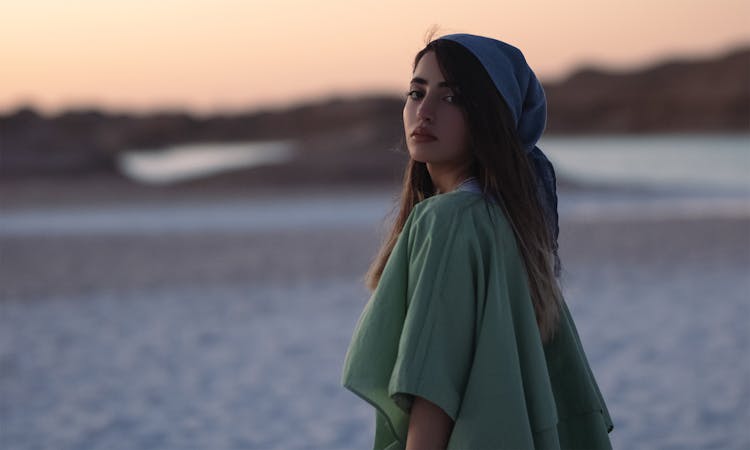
(416, 332)
(435, 348)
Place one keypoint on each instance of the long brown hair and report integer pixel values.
(504, 172)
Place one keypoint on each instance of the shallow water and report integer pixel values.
(658, 160)
(342, 210)
(718, 161)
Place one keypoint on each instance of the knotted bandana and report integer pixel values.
(522, 92)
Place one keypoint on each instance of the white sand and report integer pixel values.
(225, 338)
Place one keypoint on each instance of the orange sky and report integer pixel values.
(209, 55)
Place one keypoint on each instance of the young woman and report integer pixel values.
(466, 342)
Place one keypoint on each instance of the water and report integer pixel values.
(660, 177)
(676, 161)
(343, 210)
(184, 162)
(680, 160)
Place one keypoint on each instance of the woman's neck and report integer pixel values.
(446, 178)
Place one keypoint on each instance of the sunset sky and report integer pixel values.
(225, 55)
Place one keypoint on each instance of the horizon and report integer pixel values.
(336, 96)
(203, 57)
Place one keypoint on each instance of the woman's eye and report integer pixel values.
(417, 95)
(414, 95)
(451, 99)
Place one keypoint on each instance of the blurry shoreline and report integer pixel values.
(108, 190)
(356, 138)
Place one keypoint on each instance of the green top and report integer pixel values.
(452, 321)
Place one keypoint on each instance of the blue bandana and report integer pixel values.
(522, 92)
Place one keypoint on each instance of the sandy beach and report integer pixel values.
(231, 333)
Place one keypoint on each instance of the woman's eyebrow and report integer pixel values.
(419, 80)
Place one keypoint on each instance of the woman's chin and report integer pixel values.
(421, 156)
(429, 160)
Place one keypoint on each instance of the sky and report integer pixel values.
(210, 56)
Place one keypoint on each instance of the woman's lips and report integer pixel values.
(422, 135)
(422, 138)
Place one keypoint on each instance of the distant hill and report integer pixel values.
(673, 96)
(355, 138)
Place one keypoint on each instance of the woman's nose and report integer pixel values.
(426, 110)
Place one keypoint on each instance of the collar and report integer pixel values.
(470, 184)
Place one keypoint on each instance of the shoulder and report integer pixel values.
(448, 214)
(446, 207)
(467, 216)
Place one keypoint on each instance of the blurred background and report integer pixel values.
(191, 192)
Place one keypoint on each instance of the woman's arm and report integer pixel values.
(429, 426)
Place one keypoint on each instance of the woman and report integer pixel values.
(466, 342)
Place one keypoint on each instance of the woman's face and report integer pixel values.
(434, 122)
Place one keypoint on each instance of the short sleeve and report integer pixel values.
(435, 349)
(416, 335)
